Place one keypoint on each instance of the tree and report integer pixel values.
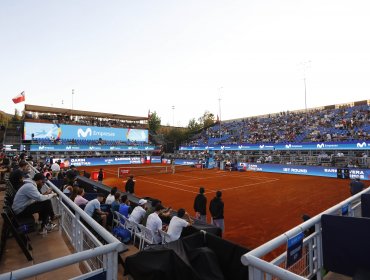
(154, 122)
(207, 120)
(194, 126)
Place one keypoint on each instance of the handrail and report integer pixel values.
(281, 239)
(61, 262)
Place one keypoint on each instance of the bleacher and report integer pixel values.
(349, 123)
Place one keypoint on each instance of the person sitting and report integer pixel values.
(92, 208)
(28, 200)
(110, 198)
(116, 203)
(80, 200)
(17, 176)
(154, 223)
(177, 223)
(139, 211)
(124, 207)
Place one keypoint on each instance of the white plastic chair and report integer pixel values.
(146, 236)
(166, 238)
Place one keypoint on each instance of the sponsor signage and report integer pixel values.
(104, 161)
(363, 174)
(186, 161)
(89, 148)
(155, 159)
(361, 145)
(294, 249)
(52, 131)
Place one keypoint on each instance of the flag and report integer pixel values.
(218, 120)
(149, 113)
(19, 98)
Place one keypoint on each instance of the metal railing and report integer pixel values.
(311, 263)
(96, 256)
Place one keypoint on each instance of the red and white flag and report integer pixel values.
(19, 98)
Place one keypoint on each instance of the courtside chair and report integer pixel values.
(165, 237)
(146, 236)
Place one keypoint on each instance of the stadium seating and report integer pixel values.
(319, 125)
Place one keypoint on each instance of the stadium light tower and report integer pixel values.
(73, 93)
(305, 65)
(173, 115)
(219, 110)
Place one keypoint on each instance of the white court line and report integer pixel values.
(166, 186)
(171, 182)
(242, 186)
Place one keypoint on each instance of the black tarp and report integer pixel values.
(200, 256)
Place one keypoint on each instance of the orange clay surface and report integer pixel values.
(258, 206)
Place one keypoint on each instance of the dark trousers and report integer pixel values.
(43, 208)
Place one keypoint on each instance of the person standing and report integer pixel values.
(216, 207)
(200, 206)
(100, 175)
(130, 185)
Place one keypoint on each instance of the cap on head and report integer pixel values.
(142, 202)
(218, 194)
(201, 190)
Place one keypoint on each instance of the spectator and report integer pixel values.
(138, 213)
(28, 200)
(71, 174)
(92, 208)
(356, 186)
(110, 198)
(154, 223)
(124, 207)
(177, 223)
(80, 200)
(55, 169)
(216, 207)
(150, 210)
(115, 204)
(17, 176)
(200, 206)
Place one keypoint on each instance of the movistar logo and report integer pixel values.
(262, 146)
(288, 146)
(81, 133)
(320, 146)
(361, 145)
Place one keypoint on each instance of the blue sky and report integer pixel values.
(128, 57)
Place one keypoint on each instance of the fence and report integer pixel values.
(96, 256)
(311, 262)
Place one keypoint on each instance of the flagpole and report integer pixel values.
(73, 93)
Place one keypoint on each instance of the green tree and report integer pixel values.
(154, 122)
(194, 126)
(207, 120)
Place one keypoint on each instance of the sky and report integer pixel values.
(181, 58)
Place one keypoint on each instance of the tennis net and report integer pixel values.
(124, 171)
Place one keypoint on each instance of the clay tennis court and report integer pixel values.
(258, 206)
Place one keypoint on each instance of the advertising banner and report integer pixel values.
(359, 145)
(52, 131)
(363, 174)
(105, 161)
(67, 148)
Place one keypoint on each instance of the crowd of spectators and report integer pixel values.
(338, 124)
(88, 121)
(100, 142)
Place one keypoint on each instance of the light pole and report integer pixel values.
(73, 93)
(173, 115)
(219, 111)
(305, 66)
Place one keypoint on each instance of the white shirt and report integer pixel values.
(154, 223)
(109, 199)
(55, 167)
(91, 206)
(175, 227)
(137, 214)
